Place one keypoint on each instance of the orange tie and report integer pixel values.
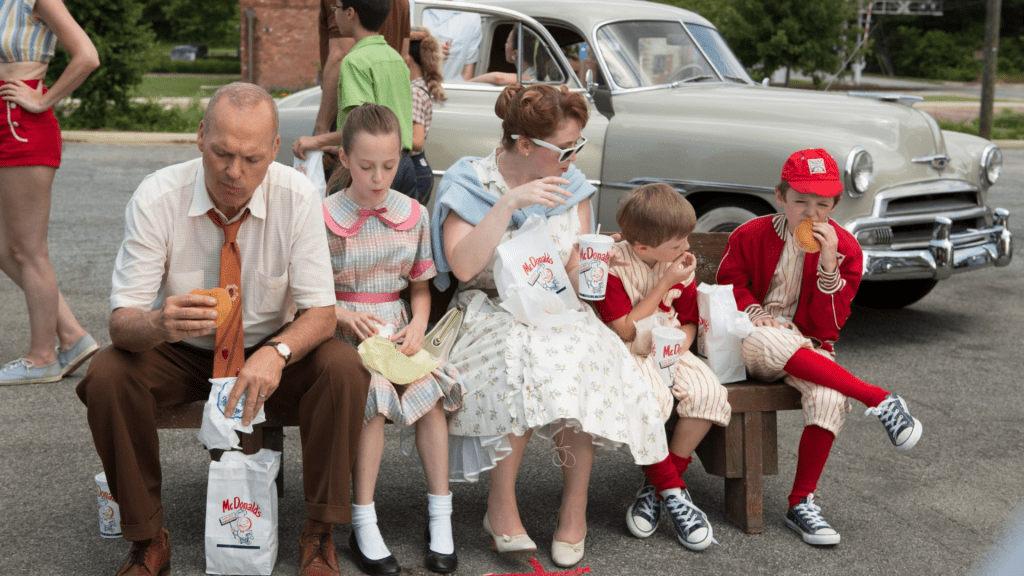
(229, 353)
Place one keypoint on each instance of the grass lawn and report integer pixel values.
(174, 86)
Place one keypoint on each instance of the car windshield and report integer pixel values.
(653, 53)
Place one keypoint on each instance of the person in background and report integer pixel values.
(371, 72)
(30, 153)
(460, 34)
(424, 62)
(333, 48)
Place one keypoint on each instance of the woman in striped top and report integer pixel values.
(30, 152)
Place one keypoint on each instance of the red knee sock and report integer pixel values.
(815, 444)
(680, 463)
(813, 367)
(664, 475)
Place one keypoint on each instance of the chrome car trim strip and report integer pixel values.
(690, 186)
(937, 161)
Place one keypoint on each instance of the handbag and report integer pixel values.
(439, 341)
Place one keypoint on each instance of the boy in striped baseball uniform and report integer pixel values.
(654, 276)
(799, 300)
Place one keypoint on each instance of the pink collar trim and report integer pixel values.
(345, 218)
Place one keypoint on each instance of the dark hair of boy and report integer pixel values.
(783, 187)
(372, 13)
(653, 214)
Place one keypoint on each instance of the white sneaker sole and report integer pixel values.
(915, 435)
(36, 380)
(814, 539)
(634, 529)
(698, 546)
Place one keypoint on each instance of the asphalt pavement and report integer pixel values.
(938, 509)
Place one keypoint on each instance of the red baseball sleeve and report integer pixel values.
(616, 302)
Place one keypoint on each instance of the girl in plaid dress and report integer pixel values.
(380, 243)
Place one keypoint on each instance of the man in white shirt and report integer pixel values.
(163, 336)
(460, 34)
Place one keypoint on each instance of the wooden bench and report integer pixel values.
(746, 450)
(742, 453)
(269, 434)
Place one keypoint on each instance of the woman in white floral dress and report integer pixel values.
(576, 384)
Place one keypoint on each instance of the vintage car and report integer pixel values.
(671, 103)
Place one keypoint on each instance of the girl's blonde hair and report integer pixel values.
(368, 118)
(425, 50)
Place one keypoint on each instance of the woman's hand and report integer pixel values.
(412, 337)
(364, 324)
(545, 191)
(19, 93)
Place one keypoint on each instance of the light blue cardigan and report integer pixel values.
(461, 190)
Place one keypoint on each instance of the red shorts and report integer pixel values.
(28, 139)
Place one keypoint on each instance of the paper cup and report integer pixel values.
(666, 347)
(595, 251)
(110, 512)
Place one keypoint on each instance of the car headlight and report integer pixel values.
(859, 172)
(991, 165)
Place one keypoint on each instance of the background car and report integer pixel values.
(189, 52)
(671, 103)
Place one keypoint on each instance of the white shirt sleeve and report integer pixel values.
(310, 272)
(141, 260)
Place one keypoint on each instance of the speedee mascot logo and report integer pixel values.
(539, 273)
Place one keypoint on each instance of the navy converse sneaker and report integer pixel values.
(692, 526)
(806, 519)
(904, 430)
(642, 517)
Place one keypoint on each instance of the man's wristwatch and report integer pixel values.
(282, 349)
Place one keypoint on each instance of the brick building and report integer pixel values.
(285, 47)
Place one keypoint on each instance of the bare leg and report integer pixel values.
(432, 444)
(371, 450)
(572, 515)
(687, 435)
(502, 507)
(24, 222)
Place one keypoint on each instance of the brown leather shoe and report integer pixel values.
(152, 559)
(317, 556)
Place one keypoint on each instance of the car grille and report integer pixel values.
(913, 217)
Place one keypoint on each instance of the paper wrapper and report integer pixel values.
(381, 355)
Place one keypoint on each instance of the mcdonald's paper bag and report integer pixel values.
(241, 513)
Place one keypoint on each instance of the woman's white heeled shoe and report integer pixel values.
(566, 555)
(505, 544)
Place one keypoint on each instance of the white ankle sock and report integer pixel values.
(671, 491)
(364, 523)
(439, 508)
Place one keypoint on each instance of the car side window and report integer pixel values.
(580, 54)
(508, 49)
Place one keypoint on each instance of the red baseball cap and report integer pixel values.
(813, 171)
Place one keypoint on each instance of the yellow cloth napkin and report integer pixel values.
(381, 355)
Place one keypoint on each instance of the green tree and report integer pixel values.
(769, 34)
(120, 38)
(795, 34)
(211, 21)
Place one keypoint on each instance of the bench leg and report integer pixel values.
(744, 496)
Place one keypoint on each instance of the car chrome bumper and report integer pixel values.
(946, 254)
